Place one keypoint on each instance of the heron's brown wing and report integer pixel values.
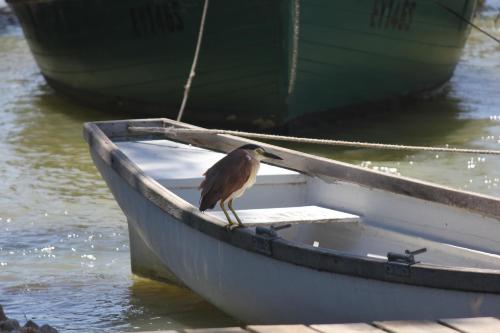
(225, 177)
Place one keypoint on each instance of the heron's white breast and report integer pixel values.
(249, 182)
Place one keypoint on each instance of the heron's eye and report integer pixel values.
(260, 151)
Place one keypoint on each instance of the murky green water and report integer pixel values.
(64, 256)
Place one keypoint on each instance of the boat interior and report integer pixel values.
(324, 215)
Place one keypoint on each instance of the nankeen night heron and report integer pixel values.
(230, 177)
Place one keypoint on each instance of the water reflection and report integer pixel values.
(154, 305)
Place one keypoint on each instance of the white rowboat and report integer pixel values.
(343, 258)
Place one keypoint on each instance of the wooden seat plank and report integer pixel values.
(346, 328)
(411, 326)
(474, 325)
(293, 215)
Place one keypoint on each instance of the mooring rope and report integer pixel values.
(192, 73)
(295, 47)
(448, 9)
(356, 144)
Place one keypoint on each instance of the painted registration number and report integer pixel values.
(154, 18)
(393, 14)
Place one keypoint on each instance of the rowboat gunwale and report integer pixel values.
(99, 136)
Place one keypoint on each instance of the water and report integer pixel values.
(64, 256)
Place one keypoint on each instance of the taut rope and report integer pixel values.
(448, 9)
(173, 130)
(192, 73)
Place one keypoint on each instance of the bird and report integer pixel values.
(230, 177)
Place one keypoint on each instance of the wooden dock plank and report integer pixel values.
(280, 329)
(460, 325)
(216, 330)
(411, 326)
(169, 331)
(346, 328)
(474, 325)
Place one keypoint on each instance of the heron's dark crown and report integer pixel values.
(250, 147)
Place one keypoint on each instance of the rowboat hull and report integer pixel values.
(167, 243)
(262, 63)
(258, 289)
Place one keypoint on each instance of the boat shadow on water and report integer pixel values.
(434, 120)
(410, 121)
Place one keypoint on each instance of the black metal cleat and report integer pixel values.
(405, 258)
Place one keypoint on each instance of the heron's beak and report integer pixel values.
(269, 155)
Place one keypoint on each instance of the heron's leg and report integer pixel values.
(230, 205)
(225, 213)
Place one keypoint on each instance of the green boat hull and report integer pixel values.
(262, 62)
